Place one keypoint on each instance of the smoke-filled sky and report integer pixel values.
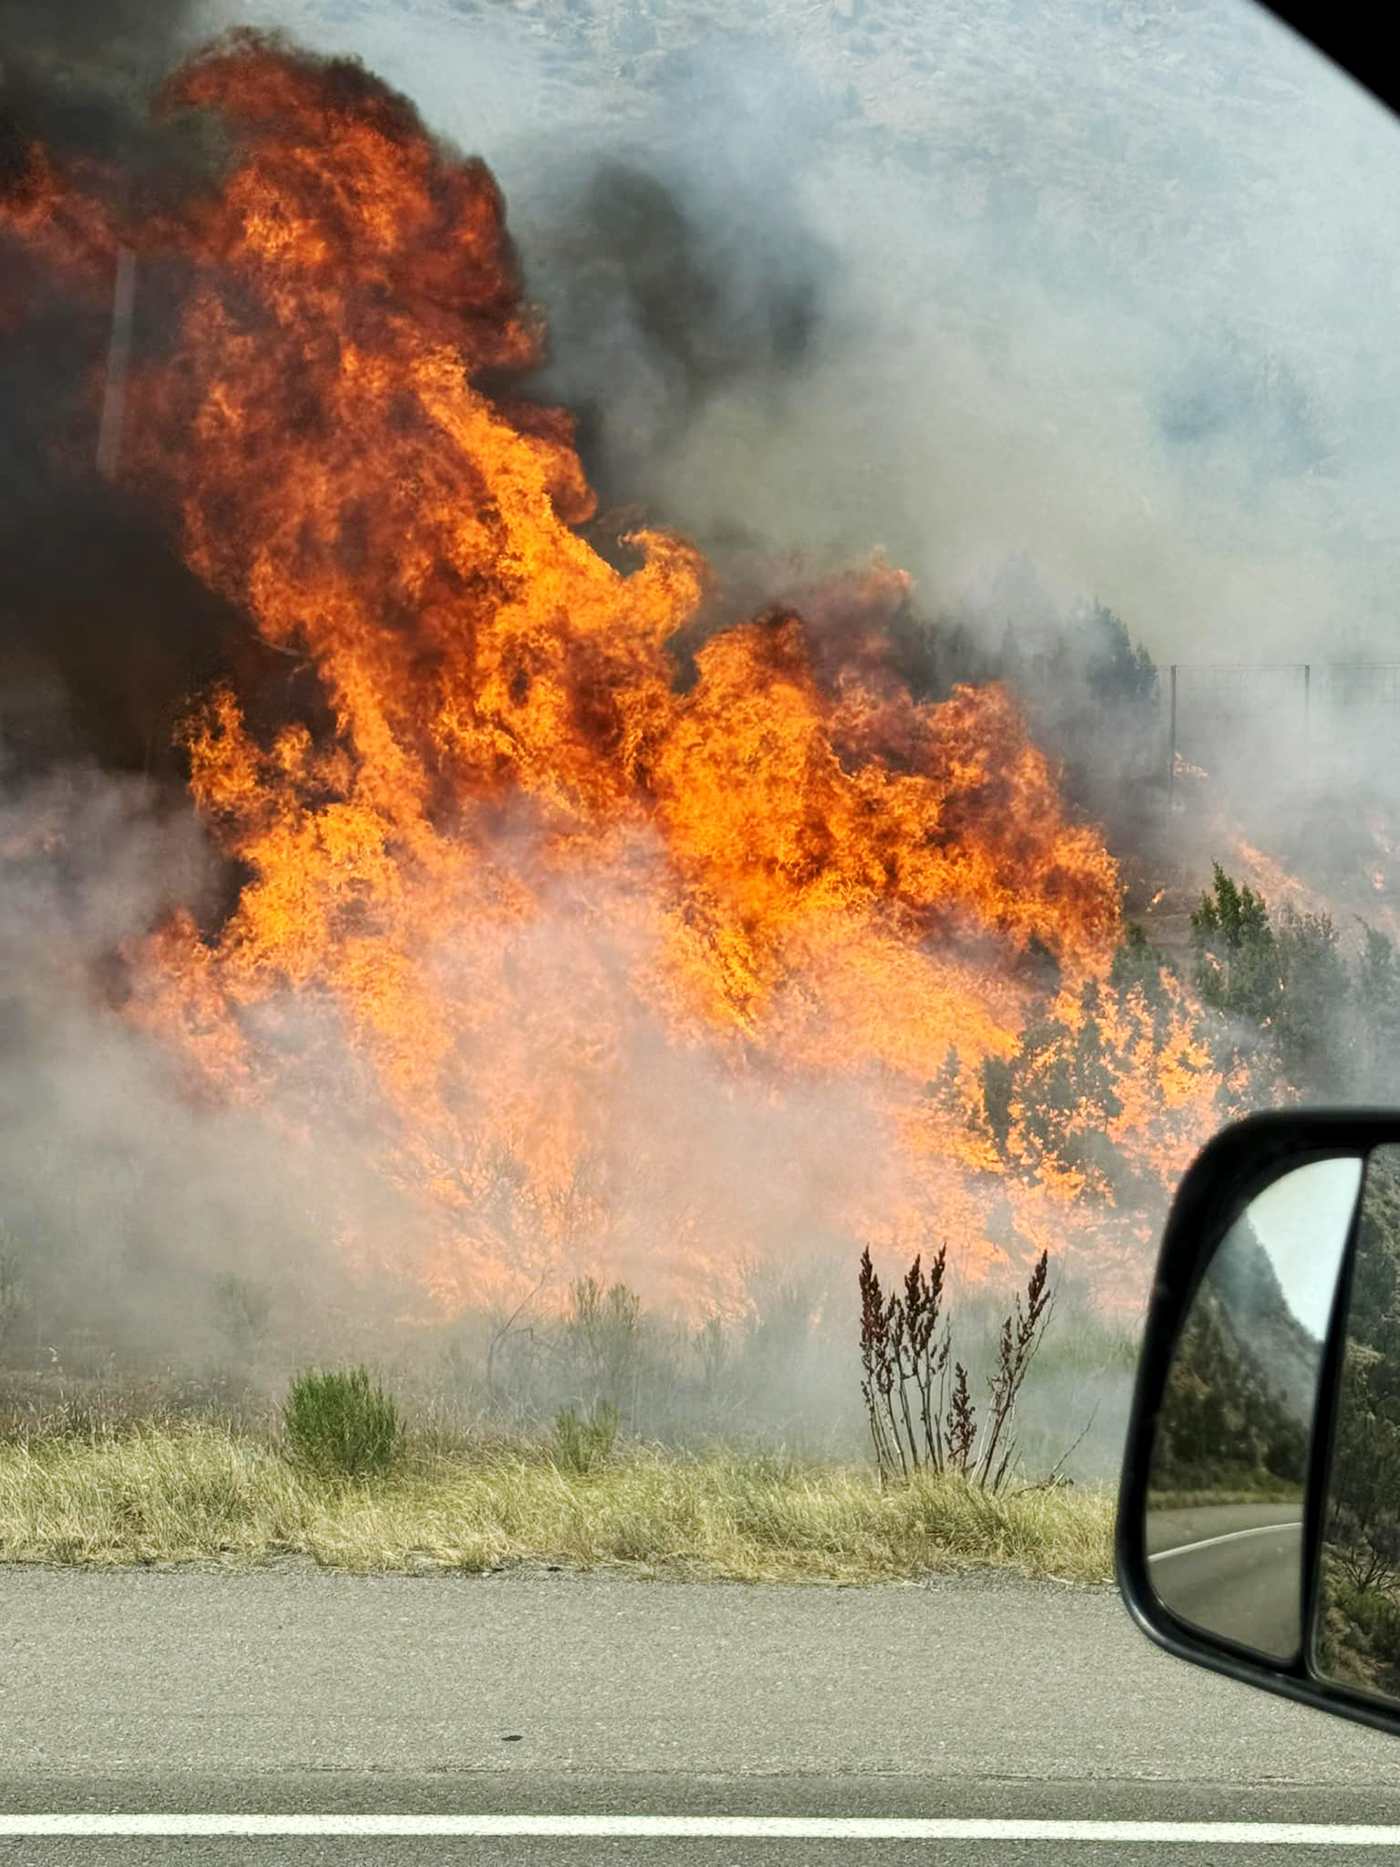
(1108, 283)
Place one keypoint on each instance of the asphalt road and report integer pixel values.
(960, 1701)
(1232, 1569)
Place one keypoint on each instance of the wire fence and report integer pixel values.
(1308, 722)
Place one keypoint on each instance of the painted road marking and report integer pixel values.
(1230, 1536)
(706, 1827)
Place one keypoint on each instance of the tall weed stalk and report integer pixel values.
(921, 1418)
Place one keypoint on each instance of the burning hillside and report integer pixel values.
(607, 958)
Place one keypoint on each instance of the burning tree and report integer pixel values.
(1298, 1011)
(512, 893)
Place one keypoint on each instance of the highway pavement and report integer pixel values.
(557, 1718)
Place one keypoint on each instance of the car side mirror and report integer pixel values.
(1259, 1512)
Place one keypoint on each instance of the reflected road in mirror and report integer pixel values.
(1231, 1566)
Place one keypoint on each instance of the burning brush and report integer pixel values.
(600, 965)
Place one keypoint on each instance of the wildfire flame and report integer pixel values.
(529, 880)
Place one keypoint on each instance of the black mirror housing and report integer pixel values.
(1238, 1165)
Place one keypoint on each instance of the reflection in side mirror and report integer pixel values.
(1225, 1502)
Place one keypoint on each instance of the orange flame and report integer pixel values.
(527, 883)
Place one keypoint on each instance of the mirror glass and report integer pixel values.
(1225, 1499)
(1356, 1631)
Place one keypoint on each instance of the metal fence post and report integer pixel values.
(109, 436)
(1171, 746)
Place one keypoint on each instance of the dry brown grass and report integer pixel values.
(202, 1493)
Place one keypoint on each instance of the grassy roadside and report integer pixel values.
(202, 1493)
(1274, 1491)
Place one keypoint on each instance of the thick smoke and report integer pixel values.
(655, 314)
(133, 1212)
(103, 632)
(79, 75)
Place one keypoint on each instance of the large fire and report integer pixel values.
(606, 962)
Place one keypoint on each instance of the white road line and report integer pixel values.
(715, 1827)
(1230, 1536)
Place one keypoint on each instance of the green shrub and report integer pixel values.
(1375, 1614)
(244, 1310)
(335, 1421)
(581, 1445)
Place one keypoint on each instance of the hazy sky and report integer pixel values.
(1302, 1222)
(1110, 283)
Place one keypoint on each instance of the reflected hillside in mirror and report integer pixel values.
(1356, 1637)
